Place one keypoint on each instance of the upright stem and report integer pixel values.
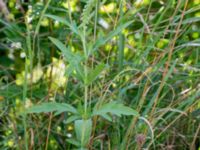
(85, 72)
(96, 18)
(24, 103)
(69, 11)
(25, 85)
(85, 97)
(121, 41)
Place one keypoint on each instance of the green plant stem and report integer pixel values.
(96, 18)
(85, 72)
(37, 29)
(121, 51)
(25, 84)
(121, 41)
(85, 97)
(24, 103)
(69, 11)
(95, 32)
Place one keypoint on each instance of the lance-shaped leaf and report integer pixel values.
(72, 118)
(65, 51)
(73, 26)
(51, 107)
(93, 74)
(73, 59)
(115, 109)
(102, 40)
(74, 142)
(83, 129)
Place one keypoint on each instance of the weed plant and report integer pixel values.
(100, 74)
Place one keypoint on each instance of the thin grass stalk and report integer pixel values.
(37, 29)
(121, 51)
(171, 123)
(95, 34)
(170, 55)
(25, 84)
(134, 120)
(69, 11)
(192, 147)
(121, 40)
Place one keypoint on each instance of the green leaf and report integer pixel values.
(107, 117)
(51, 107)
(83, 129)
(93, 74)
(79, 71)
(102, 40)
(71, 119)
(87, 12)
(65, 51)
(189, 21)
(73, 26)
(74, 142)
(115, 109)
(73, 59)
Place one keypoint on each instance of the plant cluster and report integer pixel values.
(99, 74)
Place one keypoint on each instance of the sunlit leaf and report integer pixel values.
(51, 107)
(115, 109)
(83, 129)
(102, 40)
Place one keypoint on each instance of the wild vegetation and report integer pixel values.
(99, 74)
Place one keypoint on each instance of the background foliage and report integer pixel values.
(134, 63)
